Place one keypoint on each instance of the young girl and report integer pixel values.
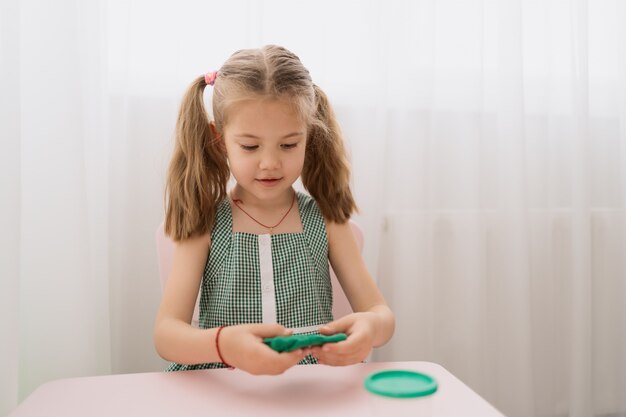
(259, 254)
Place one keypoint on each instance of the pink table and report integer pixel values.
(313, 390)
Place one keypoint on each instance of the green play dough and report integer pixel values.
(400, 384)
(297, 341)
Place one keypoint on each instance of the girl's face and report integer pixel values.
(265, 142)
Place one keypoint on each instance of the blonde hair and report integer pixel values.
(198, 172)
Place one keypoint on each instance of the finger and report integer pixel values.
(289, 359)
(352, 350)
(269, 330)
(335, 351)
(344, 347)
(335, 360)
(276, 362)
(352, 344)
(337, 326)
(341, 359)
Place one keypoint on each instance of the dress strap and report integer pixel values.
(314, 227)
(221, 236)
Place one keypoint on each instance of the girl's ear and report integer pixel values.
(214, 129)
(219, 139)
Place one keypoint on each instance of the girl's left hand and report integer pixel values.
(361, 331)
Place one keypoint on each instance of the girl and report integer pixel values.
(259, 255)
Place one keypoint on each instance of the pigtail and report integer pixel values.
(326, 171)
(198, 172)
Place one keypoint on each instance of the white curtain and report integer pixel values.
(488, 141)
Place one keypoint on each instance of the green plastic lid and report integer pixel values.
(400, 384)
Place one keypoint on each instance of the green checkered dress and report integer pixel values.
(232, 285)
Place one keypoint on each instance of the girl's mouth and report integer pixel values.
(268, 182)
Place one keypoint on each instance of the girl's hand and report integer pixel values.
(242, 347)
(361, 331)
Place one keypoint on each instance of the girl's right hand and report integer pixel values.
(242, 347)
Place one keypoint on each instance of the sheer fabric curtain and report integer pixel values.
(9, 206)
(54, 271)
(503, 238)
(488, 142)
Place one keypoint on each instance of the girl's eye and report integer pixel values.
(289, 145)
(249, 147)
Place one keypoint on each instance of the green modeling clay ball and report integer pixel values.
(297, 341)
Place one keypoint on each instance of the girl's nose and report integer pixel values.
(269, 160)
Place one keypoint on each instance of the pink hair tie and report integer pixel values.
(209, 77)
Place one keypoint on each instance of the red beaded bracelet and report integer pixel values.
(217, 347)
